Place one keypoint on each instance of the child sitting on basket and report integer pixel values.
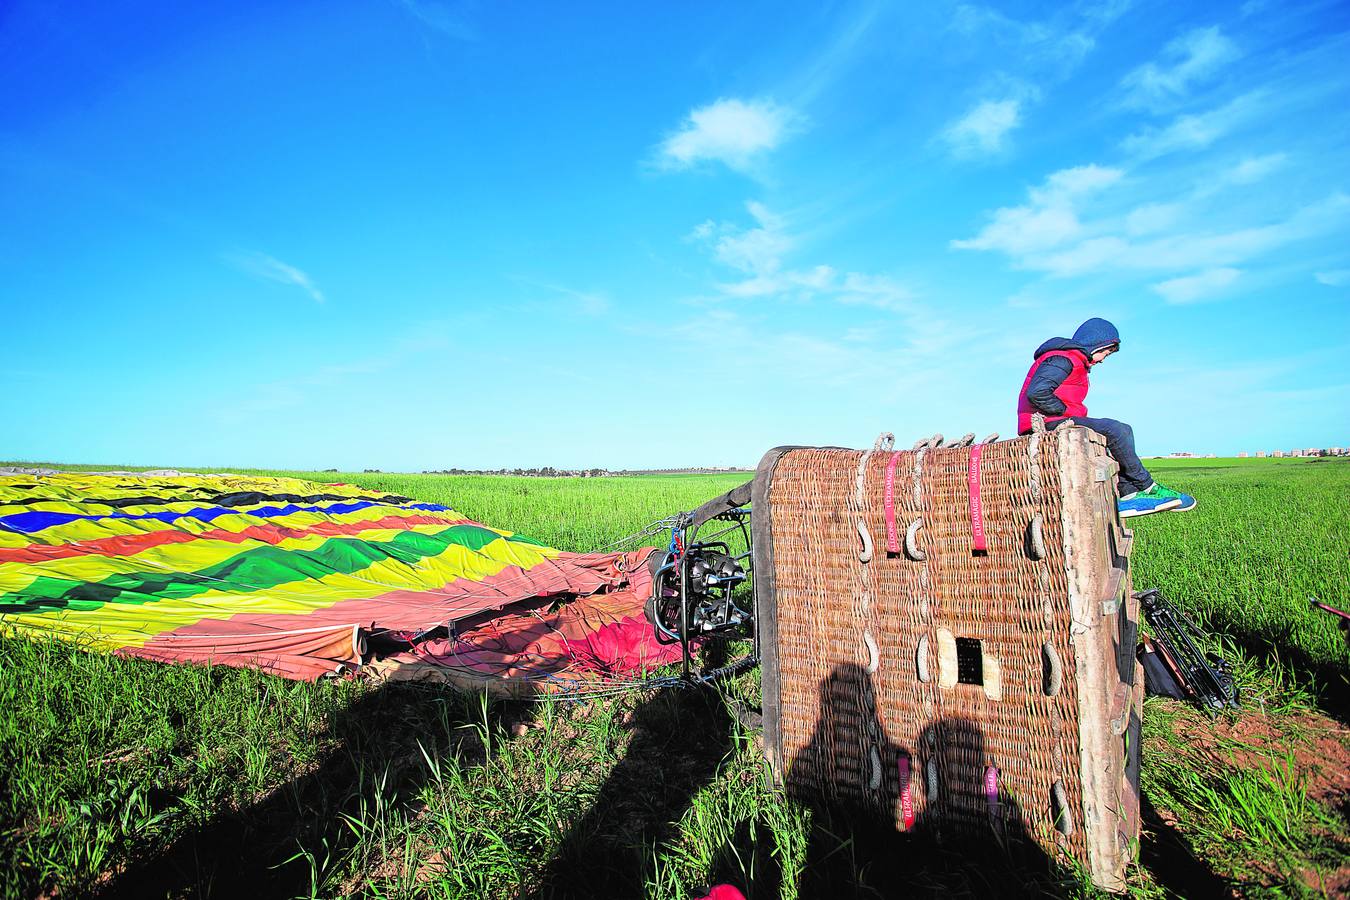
(1056, 387)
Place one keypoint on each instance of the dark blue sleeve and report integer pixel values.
(1049, 376)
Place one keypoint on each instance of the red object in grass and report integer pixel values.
(723, 892)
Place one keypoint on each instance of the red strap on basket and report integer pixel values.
(976, 509)
(906, 793)
(892, 533)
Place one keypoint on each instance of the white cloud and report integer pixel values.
(1194, 131)
(1334, 278)
(755, 251)
(1067, 185)
(982, 130)
(759, 252)
(1190, 250)
(1049, 220)
(1024, 229)
(1192, 288)
(733, 132)
(1152, 218)
(1255, 168)
(1225, 248)
(587, 303)
(441, 17)
(1044, 52)
(1059, 43)
(308, 387)
(1087, 256)
(1052, 239)
(264, 266)
(878, 291)
(1188, 59)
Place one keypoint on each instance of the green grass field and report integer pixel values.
(135, 779)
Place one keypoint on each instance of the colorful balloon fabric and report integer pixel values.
(303, 579)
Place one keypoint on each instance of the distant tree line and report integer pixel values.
(550, 472)
(544, 472)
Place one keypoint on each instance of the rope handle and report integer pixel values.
(1038, 423)
(911, 541)
(1059, 809)
(865, 554)
(1052, 676)
(928, 443)
(1036, 537)
(921, 660)
(873, 653)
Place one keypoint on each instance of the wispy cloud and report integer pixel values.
(734, 132)
(1190, 250)
(263, 266)
(837, 53)
(1051, 233)
(1041, 52)
(304, 388)
(982, 130)
(1151, 218)
(1060, 42)
(1255, 168)
(1193, 131)
(759, 252)
(1200, 286)
(446, 18)
(1049, 219)
(1334, 278)
(1186, 61)
(754, 251)
(588, 303)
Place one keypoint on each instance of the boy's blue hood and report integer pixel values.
(1096, 334)
(1091, 335)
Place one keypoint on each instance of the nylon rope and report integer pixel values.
(885, 442)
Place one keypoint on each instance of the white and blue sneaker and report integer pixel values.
(1155, 499)
(1187, 501)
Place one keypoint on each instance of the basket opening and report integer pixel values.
(969, 661)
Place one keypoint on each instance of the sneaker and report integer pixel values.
(1187, 501)
(1143, 503)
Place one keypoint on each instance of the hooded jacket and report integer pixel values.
(1057, 382)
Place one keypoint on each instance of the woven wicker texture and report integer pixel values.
(856, 640)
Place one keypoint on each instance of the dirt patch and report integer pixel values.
(1318, 746)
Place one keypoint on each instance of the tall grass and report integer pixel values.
(1263, 539)
(139, 779)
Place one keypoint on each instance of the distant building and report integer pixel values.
(1180, 454)
(1211, 456)
(1337, 451)
(1314, 451)
(1260, 454)
(1296, 452)
(1243, 454)
(1277, 453)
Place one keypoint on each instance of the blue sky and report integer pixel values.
(413, 235)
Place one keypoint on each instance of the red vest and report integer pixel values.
(1073, 391)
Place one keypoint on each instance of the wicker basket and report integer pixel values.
(992, 693)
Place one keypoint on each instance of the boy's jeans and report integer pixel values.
(1120, 441)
